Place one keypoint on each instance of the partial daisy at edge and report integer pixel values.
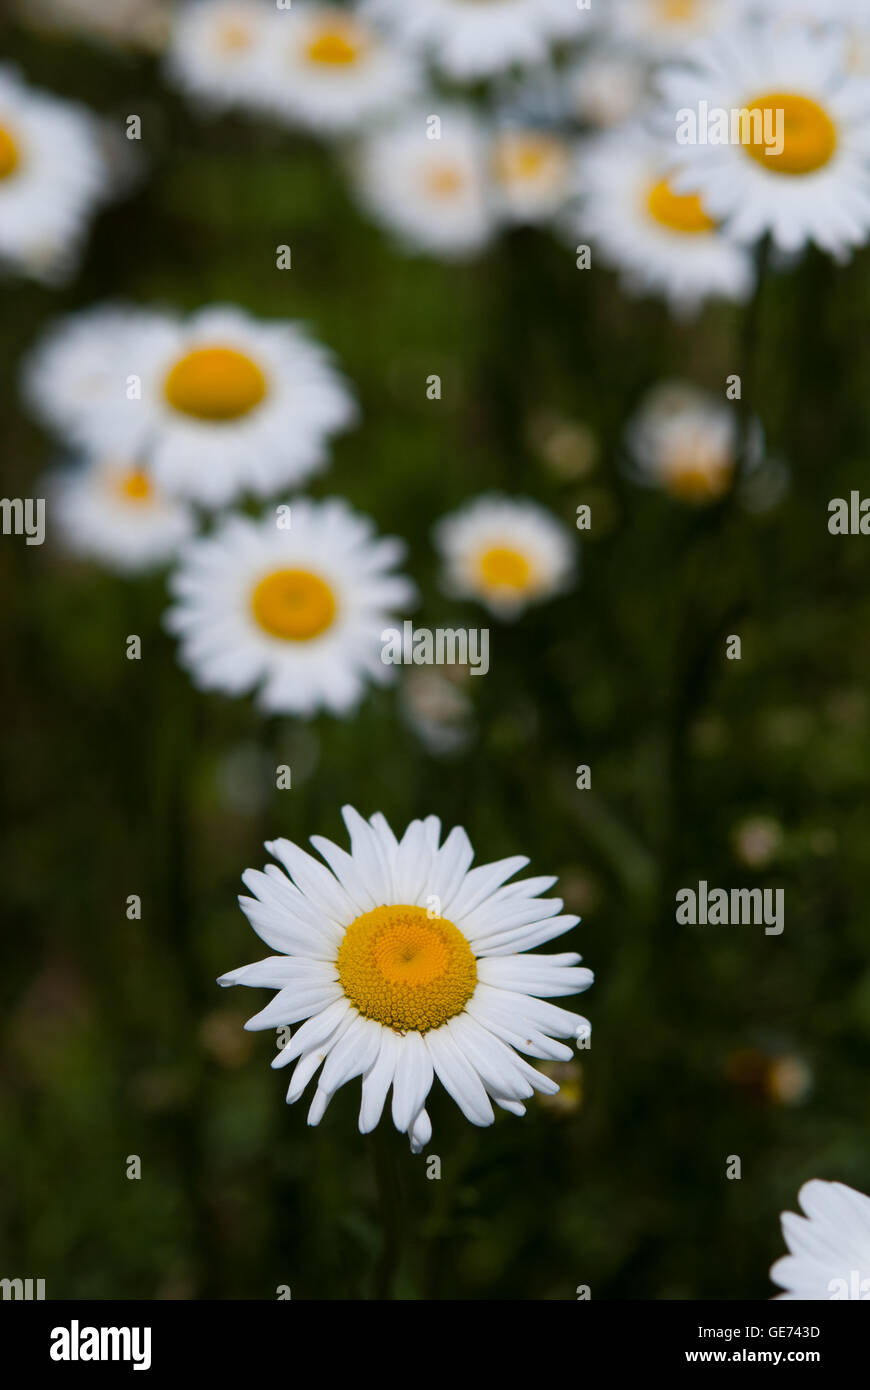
(401, 963)
(829, 1246)
(290, 607)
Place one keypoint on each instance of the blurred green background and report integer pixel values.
(120, 779)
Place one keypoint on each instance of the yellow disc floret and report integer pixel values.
(215, 383)
(789, 134)
(295, 605)
(679, 212)
(135, 486)
(8, 154)
(337, 45)
(405, 969)
(504, 568)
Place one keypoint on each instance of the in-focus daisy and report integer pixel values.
(295, 612)
(476, 38)
(795, 82)
(111, 512)
(330, 69)
(663, 241)
(428, 183)
(52, 176)
(532, 173)
(685, 441)
(829, 1246)
(404, 964)
(215, 49)
(506, 553)
(665, 26)
(215, 405)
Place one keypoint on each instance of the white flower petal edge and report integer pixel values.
(461, 962)
(829, 1247)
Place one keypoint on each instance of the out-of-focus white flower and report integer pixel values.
(660, 27)
(799, 168)
(125, 23)
(426, 178)
(685, 441)
(401, 963)
(52, 178)
(506, 553)
(295, 612)
(216, 47)
(111, 512)
(477, 38)
(532, 173)
(829, 1247)
(215, 405)
(606, 87)
(663, 241)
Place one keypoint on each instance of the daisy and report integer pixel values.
(506, 553)
(606, 87)
(817, 187)
(666, 26)
(215, 47)
(110, 511)
(664, 241)
(52, 177)
(329, 69)
(402, 964)
(217, 404)
(829, 1247)
(294, 611)
(531, 173)
(425, 177)
(686, 442)
(469, 39)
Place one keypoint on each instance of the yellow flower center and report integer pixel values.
(234, 36)
(337, 46)
(522, 158)
(215, 383)
(444, 180)
(407, 970)
(677, 11)
(134, 486)
(294, 605)
(696, 478)
(809, 135)
(9, 155)
(679, 212)
(504, 568)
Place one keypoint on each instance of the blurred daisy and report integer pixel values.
(531, 174)
(469, 39)
(685, 441)
(406, 964)
(428, 183)
(829, 1246)
(817, 187)
(111, 512)
(329, 69)
(295, 612)
(125, 23)
(666, 26)
(606, 87)
(506, 553)
(215, 48)
(217, 404)
(663, 241)
(52, 176)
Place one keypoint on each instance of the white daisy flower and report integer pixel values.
(294, 611)
(663, 241)
(469, 39)
(665, 26)
(111, 512)
(685, 442)
(215, 47)
(216, 405)
(532, 173)
(330, 69)
(402, 964)
(829, 1247)
(428, 183)
(506, 553)
(52, 177)
(817, 186)
(606, 87)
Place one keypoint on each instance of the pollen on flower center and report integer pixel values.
(215, 383)
(407, 970)
(504, 568)
(293, 604)
(335, 47)
(9, 156)
(809, 136)
(679, 212)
